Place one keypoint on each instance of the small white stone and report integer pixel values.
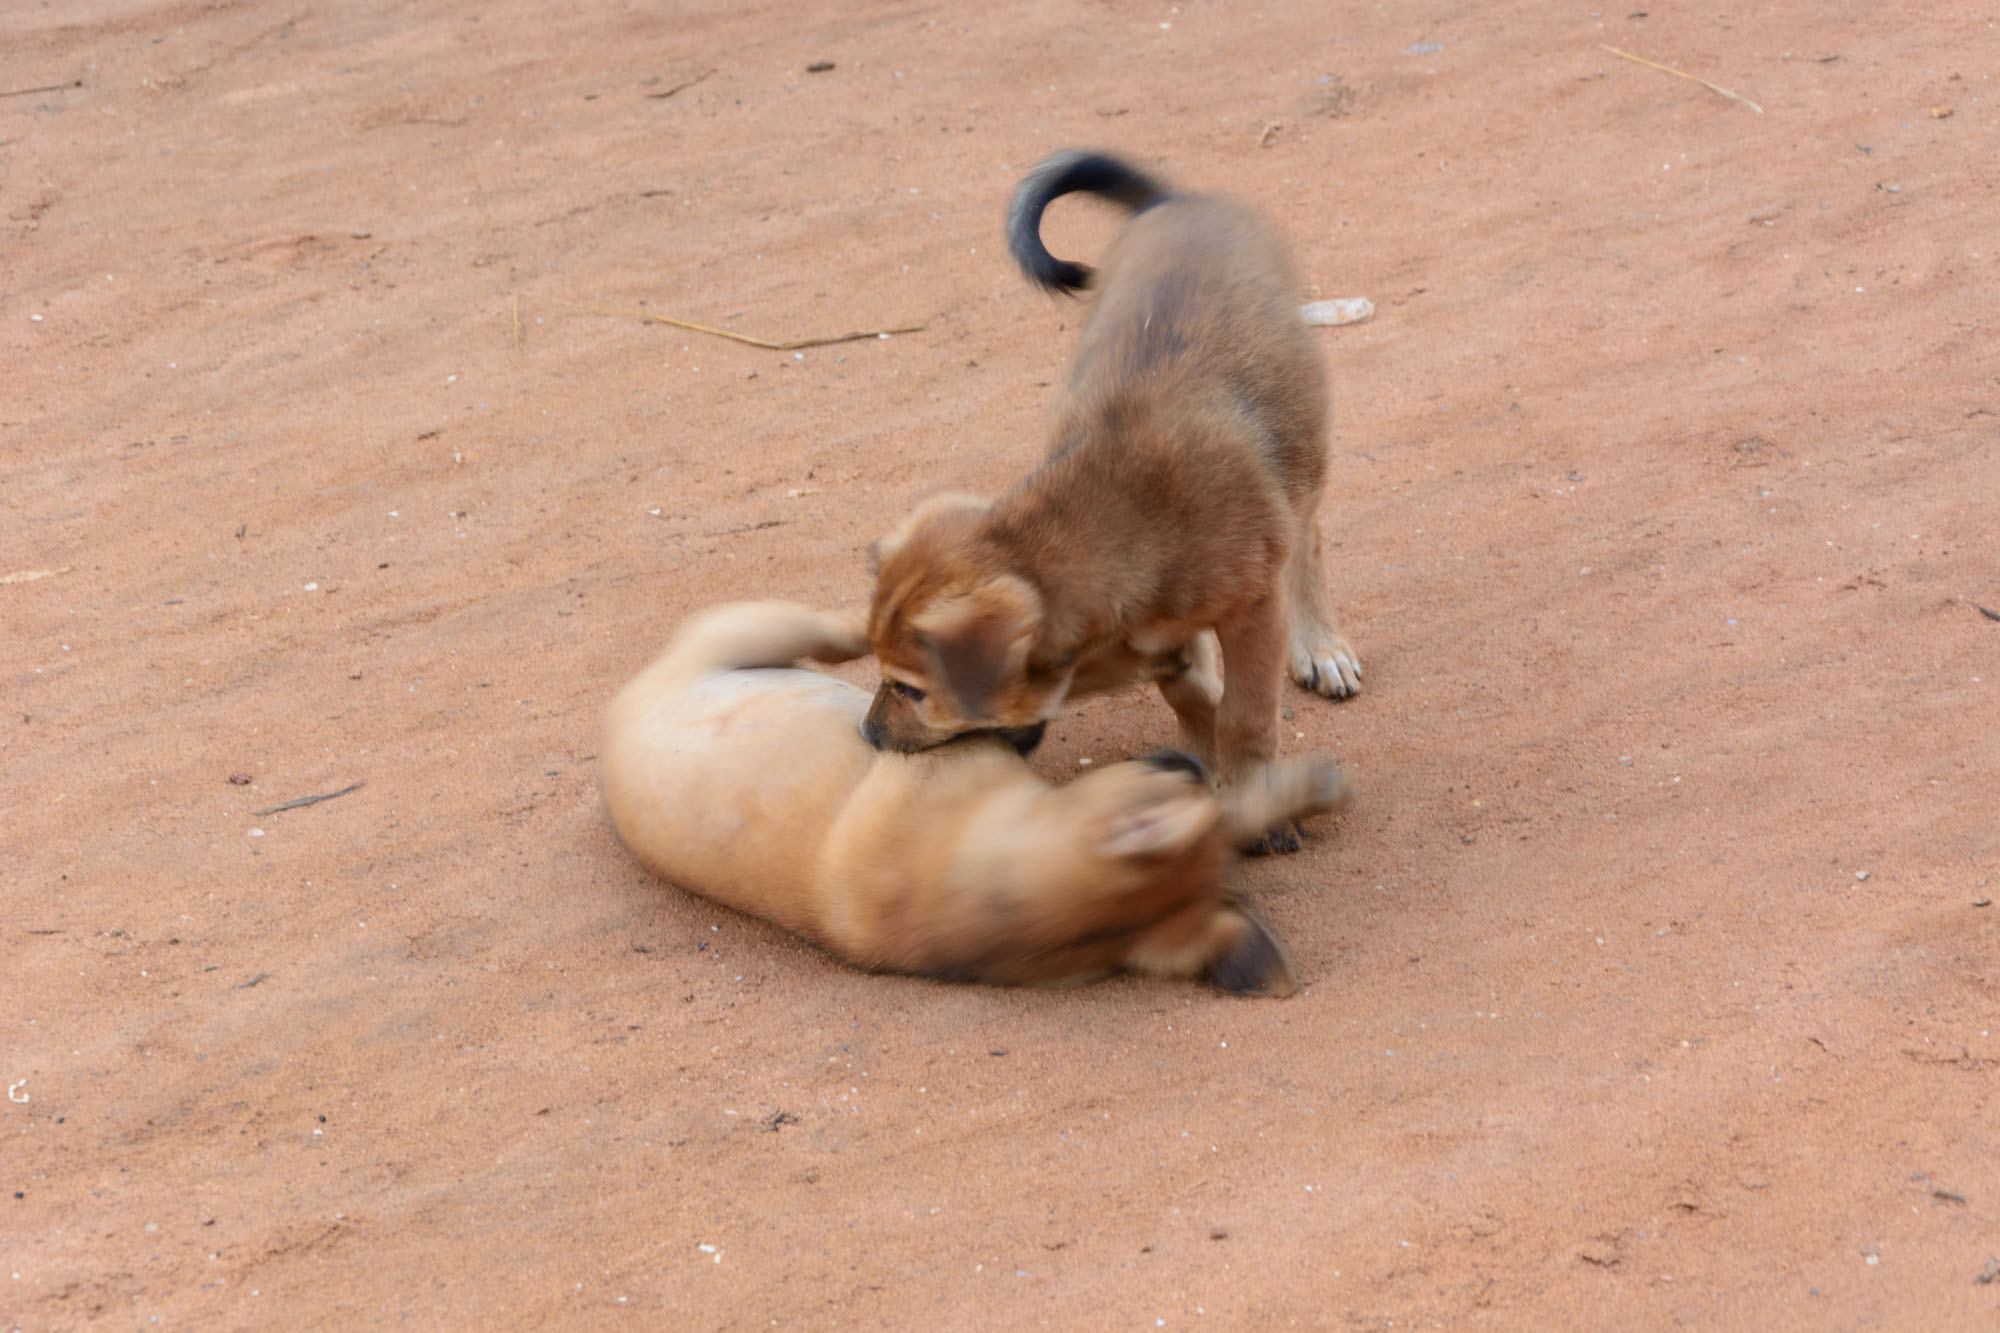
(1346, 310)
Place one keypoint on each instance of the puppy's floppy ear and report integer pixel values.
(979, 640)
(1160, 828)
(882, 551)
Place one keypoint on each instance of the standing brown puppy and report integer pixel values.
(1179, 496)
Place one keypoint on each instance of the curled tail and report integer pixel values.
(1070, 172)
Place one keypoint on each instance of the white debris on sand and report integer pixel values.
(1347, 310)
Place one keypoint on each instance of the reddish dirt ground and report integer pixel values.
(1649, 983)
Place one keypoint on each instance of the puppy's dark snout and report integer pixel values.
(879, 727)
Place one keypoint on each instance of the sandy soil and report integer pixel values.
(1650, 983)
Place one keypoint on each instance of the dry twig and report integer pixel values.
(30, 575)
(792, 346)
(1683, 74)
(45, 88)
(681, 87)
(309, 800)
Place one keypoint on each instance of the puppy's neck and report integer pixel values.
(1049, 541)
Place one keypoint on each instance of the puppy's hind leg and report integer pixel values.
(1321, 658)
(1221, 942)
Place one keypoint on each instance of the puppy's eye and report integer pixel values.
(907, 690)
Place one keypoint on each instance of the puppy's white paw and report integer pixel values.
(1325, 664)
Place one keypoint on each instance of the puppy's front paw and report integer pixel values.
(1323, 662)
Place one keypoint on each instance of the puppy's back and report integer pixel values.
(1198, 300)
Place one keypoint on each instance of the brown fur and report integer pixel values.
(748, 782)
(1179, 498)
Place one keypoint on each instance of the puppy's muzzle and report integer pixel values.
(892, 725)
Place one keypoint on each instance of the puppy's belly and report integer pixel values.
(1147, 654)
(727, 787)
(1159, 638)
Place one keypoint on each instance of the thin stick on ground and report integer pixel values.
(681, 87)
(309, 800)
(517, 321)
(30, 575)
(45, 88)
(748, 527)
(1683, 74)
(792, 346)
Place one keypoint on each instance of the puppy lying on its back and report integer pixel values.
(748, 782)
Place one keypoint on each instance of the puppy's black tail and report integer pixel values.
(1072, 172)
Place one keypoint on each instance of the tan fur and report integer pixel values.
(1177, 510)
(748, 782)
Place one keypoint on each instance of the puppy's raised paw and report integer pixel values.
(1325, 663)
(844, 637)
(1280, 841)
(1261, 810)
(1255, 964)
(1325, 788)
